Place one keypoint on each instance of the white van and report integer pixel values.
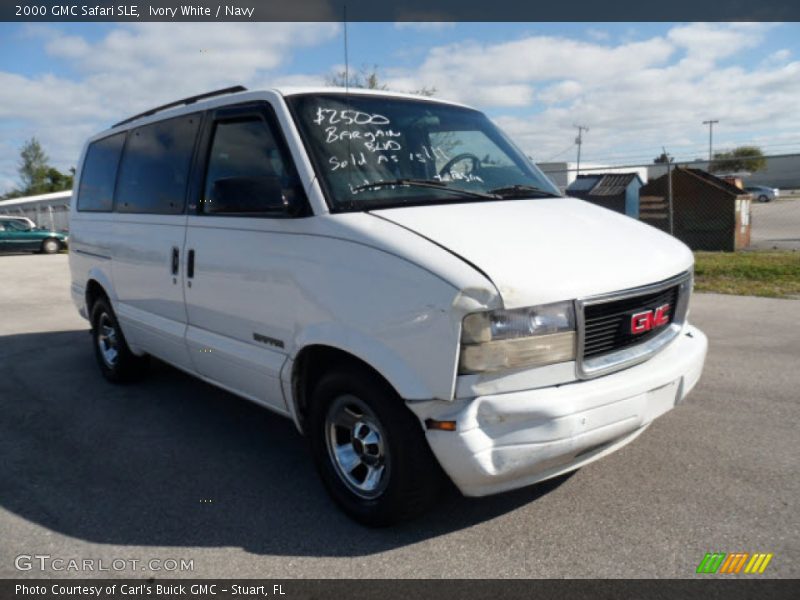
(391, 273)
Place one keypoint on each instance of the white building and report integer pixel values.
(46, 210)
(564, 173)
(781, 171)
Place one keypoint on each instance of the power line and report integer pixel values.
(690, 150)
(652, 164)
(564, 151)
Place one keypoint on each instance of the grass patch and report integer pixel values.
(772, 274)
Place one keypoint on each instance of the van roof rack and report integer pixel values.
(183, 102)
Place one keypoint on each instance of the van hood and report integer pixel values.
(548, 250)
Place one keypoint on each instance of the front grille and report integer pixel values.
(607, 324)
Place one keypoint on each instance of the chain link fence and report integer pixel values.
(50, 211)
(715, 212)
(707, 212)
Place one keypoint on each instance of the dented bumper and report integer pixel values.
(507, 441)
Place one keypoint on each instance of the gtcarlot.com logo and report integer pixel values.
(721, 563)
(46, 562)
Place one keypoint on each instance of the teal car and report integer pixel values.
(17, 235)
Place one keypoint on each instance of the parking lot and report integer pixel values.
(776, 224)
(172, 468)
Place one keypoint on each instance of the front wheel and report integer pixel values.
(115, 359)
(370, 450)
(763, 198)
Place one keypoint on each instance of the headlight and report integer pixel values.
(514, 339)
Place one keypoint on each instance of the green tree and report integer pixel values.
(36, 174)
(364, 78)
(57, 181)
(662, 159)
(743, 158)
(33, 167)
(368, 78)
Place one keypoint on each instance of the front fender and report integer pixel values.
(407, 375)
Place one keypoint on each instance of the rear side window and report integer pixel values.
(155, 167)
(96, 191)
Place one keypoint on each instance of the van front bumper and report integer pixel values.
(511, 440)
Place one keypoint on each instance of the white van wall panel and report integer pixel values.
(270, 277)
(149, 296)
(90, 244)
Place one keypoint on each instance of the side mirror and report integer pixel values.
(248, 195)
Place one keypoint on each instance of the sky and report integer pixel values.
(637, 86)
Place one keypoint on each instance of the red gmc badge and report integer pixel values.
(648, 320)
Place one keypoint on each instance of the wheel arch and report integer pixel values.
(314, 360)
(97, 285)
(94, 290)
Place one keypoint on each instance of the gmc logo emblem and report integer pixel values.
(648, 320)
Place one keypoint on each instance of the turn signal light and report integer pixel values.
(440, 425)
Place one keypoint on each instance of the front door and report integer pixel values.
(239, 291)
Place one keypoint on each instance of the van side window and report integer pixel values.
(96, 191)
(155, 167)
(246, 157)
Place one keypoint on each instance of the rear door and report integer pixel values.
(240, 293)
(149, 231)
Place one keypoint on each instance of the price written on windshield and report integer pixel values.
(373, 134)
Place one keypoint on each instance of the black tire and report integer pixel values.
(763, 198)
(125, 366)
(411, 477)
(50, 246)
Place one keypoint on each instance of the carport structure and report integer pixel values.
(46, 210)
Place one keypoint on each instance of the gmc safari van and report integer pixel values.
(391, 273)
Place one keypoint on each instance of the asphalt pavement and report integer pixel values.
(776, 224)
(175, 469)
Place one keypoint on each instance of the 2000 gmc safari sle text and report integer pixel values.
(390, 272)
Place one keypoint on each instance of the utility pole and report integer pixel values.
(710, 124)
(669, 191)
(579, 142)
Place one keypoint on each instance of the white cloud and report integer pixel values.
(714, 41)
(599, 35)
(135, 67)
(561, 92)
(503, 74)
(779, 56)
(636, 93)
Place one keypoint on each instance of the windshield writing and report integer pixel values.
(356, 141)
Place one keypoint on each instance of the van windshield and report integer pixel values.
(382, 152)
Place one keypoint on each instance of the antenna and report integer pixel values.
(346, 54)
(347, 90)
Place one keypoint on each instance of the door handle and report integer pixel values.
(175, 260)
(190, 264)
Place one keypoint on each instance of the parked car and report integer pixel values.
(392, 274)
(17, 235)
(763, 193)
(22, 219)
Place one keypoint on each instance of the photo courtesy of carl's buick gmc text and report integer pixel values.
(430, 299)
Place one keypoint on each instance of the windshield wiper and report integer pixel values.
(429, 183)
(521, 191)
